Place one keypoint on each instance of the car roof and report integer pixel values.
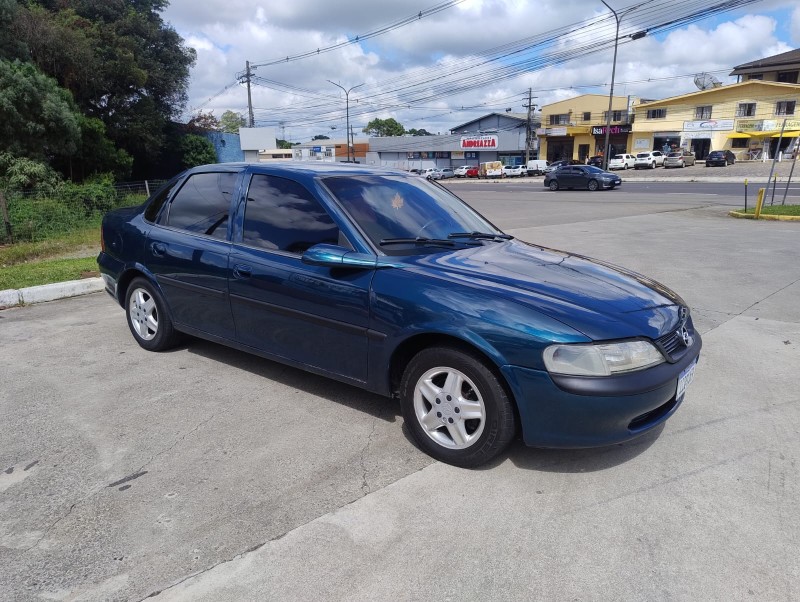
(307, 168)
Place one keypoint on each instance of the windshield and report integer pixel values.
(397, 207)
(593, 169)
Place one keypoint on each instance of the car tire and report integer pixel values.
(148, 316)
(625, 167)
(553, 185)
(442, 385)
(653, 165)
(592, 185)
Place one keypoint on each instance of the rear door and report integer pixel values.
(187, 252)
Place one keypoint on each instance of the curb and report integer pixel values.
(50, 292)
(775, 218)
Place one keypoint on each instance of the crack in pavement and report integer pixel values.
(365, 488)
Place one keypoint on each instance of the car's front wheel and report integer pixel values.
(455, 407)
(592, 185)
(148, 318)
(553, 185)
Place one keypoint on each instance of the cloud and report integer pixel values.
(795, 27)
(446, 57)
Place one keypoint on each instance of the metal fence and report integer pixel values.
(39, 214)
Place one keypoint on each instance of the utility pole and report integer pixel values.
(528, 129)
(248, 74)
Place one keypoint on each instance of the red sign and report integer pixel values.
(479, 142)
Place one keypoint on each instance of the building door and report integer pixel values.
(701, 147)
(583, 152)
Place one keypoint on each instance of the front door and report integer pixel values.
(312, 315)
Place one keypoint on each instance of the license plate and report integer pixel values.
(684, 380)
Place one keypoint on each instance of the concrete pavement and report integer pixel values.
(207, 474)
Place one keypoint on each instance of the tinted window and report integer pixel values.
(202, 204)
(159, 198)
(282, 215)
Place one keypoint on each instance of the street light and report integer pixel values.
(635, 36)
(347, 101)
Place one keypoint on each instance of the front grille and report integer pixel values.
(671, 344)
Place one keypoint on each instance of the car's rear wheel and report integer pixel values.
(653, 165)
(148, 318)
(625, 167)
(553, 185)
(455, 407)
(592, 185)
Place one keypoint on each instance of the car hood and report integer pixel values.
(600, 300)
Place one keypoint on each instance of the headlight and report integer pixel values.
(601, 360)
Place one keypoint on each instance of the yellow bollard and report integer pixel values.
(759, 202)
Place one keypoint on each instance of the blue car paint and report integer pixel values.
(507, 300)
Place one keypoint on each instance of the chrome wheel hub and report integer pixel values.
(143, 314)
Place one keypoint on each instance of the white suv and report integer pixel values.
(649, 160)
(623, 161)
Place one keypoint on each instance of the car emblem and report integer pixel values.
(685, 336)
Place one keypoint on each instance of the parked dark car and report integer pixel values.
(596, 161)
(586, 177)
(389, 282)
(558, 164)
(720, 157)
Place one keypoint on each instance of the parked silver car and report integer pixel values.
(679, 159)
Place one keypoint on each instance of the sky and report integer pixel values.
(436, 64)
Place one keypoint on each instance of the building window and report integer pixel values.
(615, 115)
(702, 112)
(746, 109)
(784, 107)
(562, 119)
(758, 76)
(656, 113)
(740, 142)
(587, 116)
(787, 77)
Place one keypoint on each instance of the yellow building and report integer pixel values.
(575, 128)
(745, 118)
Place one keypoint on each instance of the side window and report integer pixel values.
(282, 215)
(158, 201)
(202, 204)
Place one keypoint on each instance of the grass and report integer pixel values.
(775, 210)
(60, 259)
(46, 271)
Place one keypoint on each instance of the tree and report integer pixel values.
(231, 122)
(422, 132)
(384, 127)
(203, 122)
(197, 150)
(320, 137)
(285, 143)
(121, 62)
(37, 118)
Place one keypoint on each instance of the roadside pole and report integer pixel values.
(791, 171)
(759, 202)
(745, 195)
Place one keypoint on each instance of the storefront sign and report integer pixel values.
(708, 124)
(456, 154)
(696, 135)
(479, 142)
(600, 130)
(556, 131)
(642, 143)
(766, 125)
(666, 134)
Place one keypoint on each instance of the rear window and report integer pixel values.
(643, 156)
(675, 155)
(619, 156)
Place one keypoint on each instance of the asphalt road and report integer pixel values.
(207, 474)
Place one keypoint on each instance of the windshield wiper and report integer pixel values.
(419, 240)
(480, 236)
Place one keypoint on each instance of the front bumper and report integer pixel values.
(575, 412)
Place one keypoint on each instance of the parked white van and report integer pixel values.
(536, 167)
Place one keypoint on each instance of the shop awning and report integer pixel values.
(764, 134)
(738, 135)
(788, 134)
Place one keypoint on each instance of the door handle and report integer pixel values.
(242, 271)
(158, 249)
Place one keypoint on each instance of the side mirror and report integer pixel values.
(334, 256)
